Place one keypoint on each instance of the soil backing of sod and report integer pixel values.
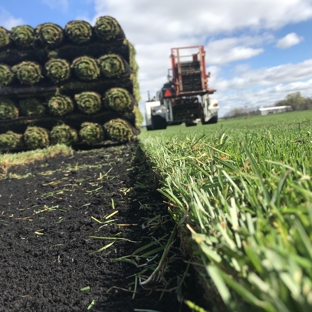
(50, 212)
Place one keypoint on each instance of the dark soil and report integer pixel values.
(48, 213)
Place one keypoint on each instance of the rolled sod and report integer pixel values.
(6, 75)
(106, 28)
(49, 34)
(4, 37)
(111, 65)
(78, 31)
(23, 36)
(36, 137)
(60, 105)
(63, 134)
(58, 70)
(27, 72)
(8, 110)
(118, 130)
(91, 133)
(31, 107)
(10, 140)
(86, 68)
(119, 99)
(88, 102)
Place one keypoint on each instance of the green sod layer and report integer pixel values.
(31, 107)
(4, 37)
(6, 75)
(119, 99)
(60, 105)
(36, 137)
(138, 117)
(86, 68)
(49, 34)
(118, 130)
(63, 134)
(10, 140)
(91, 133)
(58, 70)
(106, 27)
(88, 102)
(135, 67)
(78, 31)
(8, 110)
(28, 73)
(23, 36)
(111, 65)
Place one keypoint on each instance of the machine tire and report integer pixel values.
(159, 123)
(213, 120)
(190, 124)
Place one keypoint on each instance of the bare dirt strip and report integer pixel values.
(51, 211)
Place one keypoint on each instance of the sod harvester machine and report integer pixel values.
(75, 85)
(185, 97)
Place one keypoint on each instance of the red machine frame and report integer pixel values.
(177, 76)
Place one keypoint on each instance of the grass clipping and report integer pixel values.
(32, 107)
(11, 140)
(58, 70)
(119, 130)
(60, 105)
(6, 75)
(63, 134)
(36, 137)
(8, 110)
(91, 133)
(88, 102)
(28, 73)
(49, 34)
(86, 68)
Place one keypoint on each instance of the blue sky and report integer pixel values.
(257, 51)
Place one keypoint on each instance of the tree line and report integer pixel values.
(295, 100)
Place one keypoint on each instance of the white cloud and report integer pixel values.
(154, 21)
(285, 73)
(8, 20)
(252, 99)
(289, 41)
(57, 4)
(232, 49)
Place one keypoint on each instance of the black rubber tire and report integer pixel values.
(159, 123)
(190, 124)
(213, 120)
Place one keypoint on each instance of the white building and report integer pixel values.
(275, 110)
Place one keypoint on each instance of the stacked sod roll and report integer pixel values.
(75, 85)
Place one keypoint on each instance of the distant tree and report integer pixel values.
(241, 112)
(296, 101)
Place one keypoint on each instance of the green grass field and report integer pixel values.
(241, 194)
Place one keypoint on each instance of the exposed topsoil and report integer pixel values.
(49, 212)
